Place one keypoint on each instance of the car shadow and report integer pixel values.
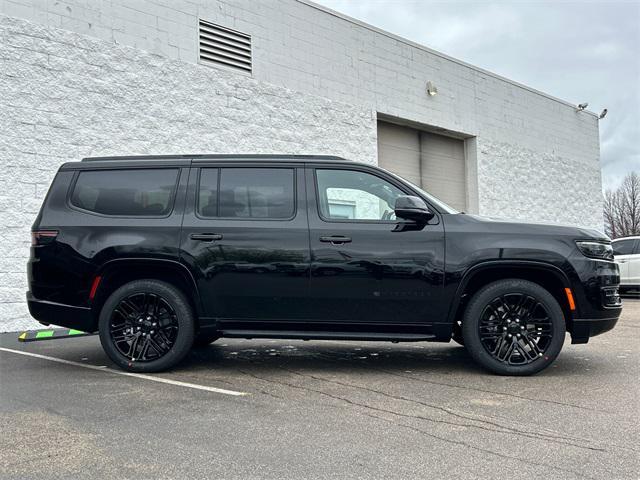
(268, 357)
(277, 356)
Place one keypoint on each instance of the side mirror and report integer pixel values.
(412, 208)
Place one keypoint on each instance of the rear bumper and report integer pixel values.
(70, 316)
(583, 328)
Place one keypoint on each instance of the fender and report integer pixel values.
(110, 265)
(500, 264)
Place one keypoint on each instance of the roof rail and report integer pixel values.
(218, 156)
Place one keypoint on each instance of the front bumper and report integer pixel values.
(70, 316)
(595, 289)
(583, 328)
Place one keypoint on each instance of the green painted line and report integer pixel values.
(55, 334)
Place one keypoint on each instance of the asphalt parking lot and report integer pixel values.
(321, 410)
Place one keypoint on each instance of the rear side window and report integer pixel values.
(246, 193)
(143, 192)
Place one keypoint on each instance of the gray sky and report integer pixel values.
(576, 51)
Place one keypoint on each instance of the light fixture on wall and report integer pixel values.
(582, 106)
(432, 90)
(603, 114)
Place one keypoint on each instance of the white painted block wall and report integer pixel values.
(64, 96)
(537, 158)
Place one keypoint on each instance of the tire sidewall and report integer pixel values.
(487, 294)
(184, 314)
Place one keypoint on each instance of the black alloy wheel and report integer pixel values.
(143, 327)
(146, 326)
(513, 327)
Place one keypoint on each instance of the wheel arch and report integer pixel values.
(548, 276)
(115, 273)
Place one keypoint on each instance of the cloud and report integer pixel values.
(577, 51)
(603, 51)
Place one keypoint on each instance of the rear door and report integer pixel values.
(245, 235)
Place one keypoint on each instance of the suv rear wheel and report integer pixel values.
(146, 326)
(513, 327)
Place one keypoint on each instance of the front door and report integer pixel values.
(245, 234)
(626, 255)
(634, 265)
(363, 269)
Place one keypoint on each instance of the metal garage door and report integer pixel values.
(434, 162)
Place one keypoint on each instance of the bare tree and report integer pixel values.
(622, 208)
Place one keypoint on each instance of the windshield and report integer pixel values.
(435, 201)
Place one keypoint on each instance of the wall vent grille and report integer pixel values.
(223, 46)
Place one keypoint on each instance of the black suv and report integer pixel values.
(161, 253)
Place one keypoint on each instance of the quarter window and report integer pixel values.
(141, 192)
(354, 195)
(246, 193)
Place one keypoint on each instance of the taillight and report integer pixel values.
(43, 237)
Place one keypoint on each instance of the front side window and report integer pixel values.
(246, 193)
(354, 195)
(132, 192)
(623, 247)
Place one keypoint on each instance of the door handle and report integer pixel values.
(205, 237)
(335, 239)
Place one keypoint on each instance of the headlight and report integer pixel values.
(596, 250)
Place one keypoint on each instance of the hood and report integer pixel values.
(548, 228)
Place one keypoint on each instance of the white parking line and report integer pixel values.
(177, 383)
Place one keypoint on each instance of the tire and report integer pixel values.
(205, 339)
(518, 320)
(156, 309)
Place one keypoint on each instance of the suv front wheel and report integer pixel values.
(146, 326)
(513, 327)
